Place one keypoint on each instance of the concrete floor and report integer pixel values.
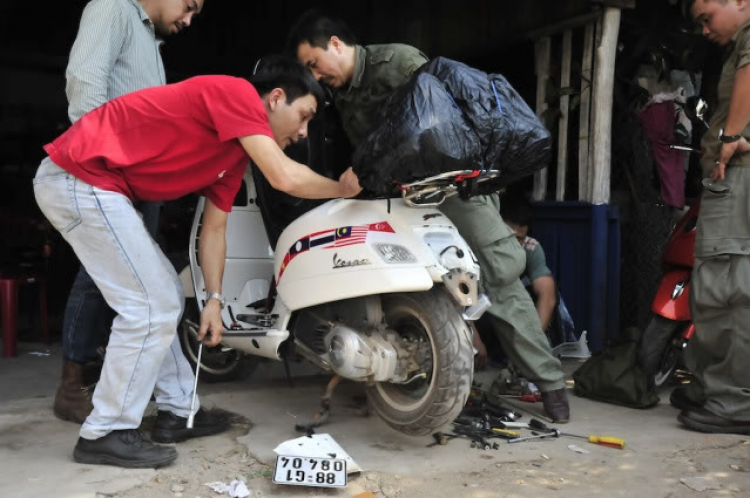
(661, 459)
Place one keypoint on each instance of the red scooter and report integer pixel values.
(671, 327)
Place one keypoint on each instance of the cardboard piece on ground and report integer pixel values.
(317, 445)
(366, 494)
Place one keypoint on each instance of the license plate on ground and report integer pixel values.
(310, 471)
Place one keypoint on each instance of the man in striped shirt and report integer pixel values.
(115, 52)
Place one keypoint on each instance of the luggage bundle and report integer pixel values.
(451, 117)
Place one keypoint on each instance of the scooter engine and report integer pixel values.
(359, 356)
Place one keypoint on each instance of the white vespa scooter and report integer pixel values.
(376, 291)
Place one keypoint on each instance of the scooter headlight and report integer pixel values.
(392, 253)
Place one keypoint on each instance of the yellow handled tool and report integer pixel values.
(506, 432)
(613, 442)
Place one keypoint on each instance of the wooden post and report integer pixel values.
(598, 27)
(584, 131)
(562, 136)
(604, 79)
(543, 51)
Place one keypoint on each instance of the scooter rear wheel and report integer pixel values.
(425, 405)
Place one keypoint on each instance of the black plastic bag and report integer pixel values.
(514, 140)
(614, 375)
(492, 128)
(422, 133)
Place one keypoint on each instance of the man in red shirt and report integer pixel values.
(159, 144)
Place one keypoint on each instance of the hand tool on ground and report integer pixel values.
(476, 439)
(506, 432)
(538, 425)
(612, 442)
(191, 417)
(554, 433)
(526, 398)
(483, 433)
(514, 425)
(485, 425)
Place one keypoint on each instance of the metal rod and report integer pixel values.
(191, 417)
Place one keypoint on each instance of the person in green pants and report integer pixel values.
(719, 399)
(362, 78)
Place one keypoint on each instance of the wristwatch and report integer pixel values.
(728, 139)
(219, 297)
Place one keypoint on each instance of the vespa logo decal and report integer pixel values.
(340, 263)
(431, 215)
(333, 238)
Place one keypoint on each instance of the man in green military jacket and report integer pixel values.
(362, 78)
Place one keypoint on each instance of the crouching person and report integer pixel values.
(157, 144)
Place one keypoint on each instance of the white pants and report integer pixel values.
(139, 283)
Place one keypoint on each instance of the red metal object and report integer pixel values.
(9, 308)
(672, 299)
(680, 249)
(689, 332)
(473, 174)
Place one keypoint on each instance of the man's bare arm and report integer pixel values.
(544, 287)
(292, 177)
(737, 120)
(212, 249)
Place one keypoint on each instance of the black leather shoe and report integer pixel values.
(680, 400)
(556, 405)
(703, 420)
(126, 449)
(169, 428)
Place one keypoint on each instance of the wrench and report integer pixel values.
(191, 417)
(552, 433)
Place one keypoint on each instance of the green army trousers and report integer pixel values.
(502, 260)
(719, 352)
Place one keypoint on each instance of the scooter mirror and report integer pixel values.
(695, 109)
(700, 109)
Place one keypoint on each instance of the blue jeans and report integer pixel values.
(88, 318)
(139, 284)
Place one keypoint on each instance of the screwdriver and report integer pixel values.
(548, 435)
(612, 442)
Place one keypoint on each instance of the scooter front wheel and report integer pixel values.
(442, 381)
